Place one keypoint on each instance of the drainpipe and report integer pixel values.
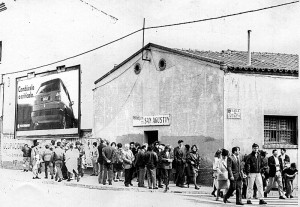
(249, 52)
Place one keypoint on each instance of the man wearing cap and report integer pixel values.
(179, 157)
(253, 169)
(276, 167)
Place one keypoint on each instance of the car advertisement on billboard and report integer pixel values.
(48, 104)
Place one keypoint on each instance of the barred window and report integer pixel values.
(280, 130)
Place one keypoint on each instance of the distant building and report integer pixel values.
(211, 99)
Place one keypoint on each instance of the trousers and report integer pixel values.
(151, 175)
(257, 179)
(278, 179)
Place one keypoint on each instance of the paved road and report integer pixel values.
(20, 192)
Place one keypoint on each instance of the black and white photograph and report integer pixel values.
(149, 103)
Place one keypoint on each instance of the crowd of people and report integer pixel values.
(249, 176)
(252, 175)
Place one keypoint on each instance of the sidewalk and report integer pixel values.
(91, 182)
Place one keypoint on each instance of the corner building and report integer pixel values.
(211, 99)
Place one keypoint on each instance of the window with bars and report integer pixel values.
(280, 130)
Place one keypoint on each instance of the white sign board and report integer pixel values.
(158, 120)
(233, 113)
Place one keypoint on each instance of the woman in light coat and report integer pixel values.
(72, 156)
(222, 173)
(217, 157)
(128, 159)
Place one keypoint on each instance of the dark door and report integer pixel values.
(151, 136)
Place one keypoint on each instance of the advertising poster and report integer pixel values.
(48, 105)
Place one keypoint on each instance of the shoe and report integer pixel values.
(150, 187)
(155, 188)
(265, 195)
(281, 197)
(126, 185)
(52, 177)
(196, 187)
(226, 201)
(59, 180)
(213, 194)
(56, 178)
(115, 180)
(46, 177)
(109, 182)
(262, 202)
(160, 186)
(291, 196)
(104, 183)
(93, 174)
(249, 202)
(69, 180)
(131, 184)
(240, 204)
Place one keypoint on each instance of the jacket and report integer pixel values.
(234, 167)
(58, 154)
(100, 158)
(193, 161)
(128, 159)
(108, 154)
(140, 159)
(179, 156)
(48, 155)
(167, 159)
(151, 160)
(272, 166)
(26, 152)
(253, 164)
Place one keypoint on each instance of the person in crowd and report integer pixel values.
(160, 169)
(286, 163)
(64, 169)
(217, 157)
(187, 173)
(36, 159)
(141, 165)
(118, 163)
(193, 161)
(222, 173)
(48, 159)
(290, 174)
(58, 157)
(245, 180)
(253, 171)
(94, 158)
(72, 156)
(264, 172)
(128, 159)
(108, 155)
(276, 166)
(235, 175)
(179, 156)
(151, 161)
(41, 166)
(26, 157)
(134, 150)
(101, 160)
(52, 164)
(167, 159)
(81, 159)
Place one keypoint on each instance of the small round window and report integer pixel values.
(137, 68)
(162, 64)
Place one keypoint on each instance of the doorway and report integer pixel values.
(151, 136)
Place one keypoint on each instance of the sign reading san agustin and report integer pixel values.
(158, 120)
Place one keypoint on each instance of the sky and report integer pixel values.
(35, 33)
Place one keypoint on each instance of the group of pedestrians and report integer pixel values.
(252, 175)
(157, 162)
(64, 160)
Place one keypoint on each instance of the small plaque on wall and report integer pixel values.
(233, 113)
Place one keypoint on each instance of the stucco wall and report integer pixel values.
(189, 90)
(256, 96)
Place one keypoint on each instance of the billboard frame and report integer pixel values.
(55, 135)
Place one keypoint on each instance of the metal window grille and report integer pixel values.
(280, 130)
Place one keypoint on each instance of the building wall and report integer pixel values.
(256, 96)
(190, 91)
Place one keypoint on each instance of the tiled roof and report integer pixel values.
(260, 61)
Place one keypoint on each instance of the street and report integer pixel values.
(18, 189)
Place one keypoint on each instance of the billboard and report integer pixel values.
(48, 103)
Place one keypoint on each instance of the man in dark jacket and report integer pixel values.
(100, 159)
(235, 175)
(141, 165)
(108, 154)
(151, 160)
(26, 157)
(253, 169)
(179, 157)
(276, 167)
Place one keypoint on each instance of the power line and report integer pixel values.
(155, 27)
(224, 16)
(96, 48)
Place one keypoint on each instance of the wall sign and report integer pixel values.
(158, 120)
(233, 113)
